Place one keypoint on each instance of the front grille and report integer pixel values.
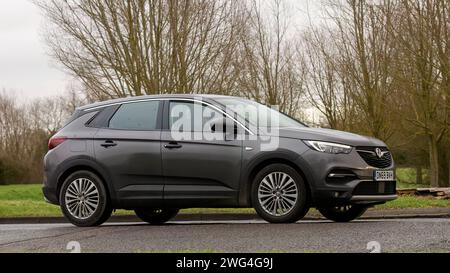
(370, 157)
(375, 188)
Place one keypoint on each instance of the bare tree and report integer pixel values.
(423, 71)
(269, 71)
(24, 131)
(15, 133)
(367, 52)
(327, 87)
(135, 47)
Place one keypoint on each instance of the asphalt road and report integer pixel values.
(405, 235)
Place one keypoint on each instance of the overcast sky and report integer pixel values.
(25, 68)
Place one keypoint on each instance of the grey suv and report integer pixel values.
(158, 154)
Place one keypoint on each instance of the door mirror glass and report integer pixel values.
(188, 119)
(224, 126)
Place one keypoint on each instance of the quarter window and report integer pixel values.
(140, 116)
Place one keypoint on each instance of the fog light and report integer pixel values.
(341, 175)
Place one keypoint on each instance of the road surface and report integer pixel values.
(402, 235)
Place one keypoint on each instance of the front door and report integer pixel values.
(198, 170)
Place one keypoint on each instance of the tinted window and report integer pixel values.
(73, 117)
(258, 114)
(142, 116)
(181, 116)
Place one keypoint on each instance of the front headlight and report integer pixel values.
(328, 147)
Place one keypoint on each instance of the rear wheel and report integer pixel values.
(156, 216)
(345, 213)
(279, 194)
(84, 200)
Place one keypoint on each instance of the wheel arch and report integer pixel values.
(255, 167)
(83, 164)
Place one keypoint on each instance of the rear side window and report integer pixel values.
(140, 116)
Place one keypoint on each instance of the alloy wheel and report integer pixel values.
(82, 198)
(277, 193)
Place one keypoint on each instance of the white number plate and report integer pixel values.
(384, 176)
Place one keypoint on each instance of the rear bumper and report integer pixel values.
(50, 195)
(50, 184)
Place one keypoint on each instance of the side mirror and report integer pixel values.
(225, 126)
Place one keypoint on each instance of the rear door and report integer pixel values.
(197, 171)
(128, 147)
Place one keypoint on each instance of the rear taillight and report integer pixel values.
(55, 141)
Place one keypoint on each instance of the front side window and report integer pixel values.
(191, 117)
(257, 114)
(140, 116)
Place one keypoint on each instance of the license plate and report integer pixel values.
(384, 175)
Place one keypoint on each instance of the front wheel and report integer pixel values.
(156, 216)
(344, 213)
(279, 194)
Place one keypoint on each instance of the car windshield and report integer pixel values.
(258, 114)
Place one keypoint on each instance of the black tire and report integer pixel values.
(156, 216)
(343, 214)
(298, 210)
(103, 210)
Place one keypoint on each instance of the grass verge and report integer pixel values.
(27, 201)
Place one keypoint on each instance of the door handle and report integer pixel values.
(173, 145)
(108, 143)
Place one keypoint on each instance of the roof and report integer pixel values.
(138, 98)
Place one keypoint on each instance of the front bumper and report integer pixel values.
(336, 197)
(373, 198)
(344, 179)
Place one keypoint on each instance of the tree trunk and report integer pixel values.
(434, 161)
(444, 163)
(419, 176)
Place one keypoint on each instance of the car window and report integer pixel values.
(191, 117)
(258, 114)
(142, 116)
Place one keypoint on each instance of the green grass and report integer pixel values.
(405, 202)
(27, 201)
(24, 200)
(403, 185)
(406, 178)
